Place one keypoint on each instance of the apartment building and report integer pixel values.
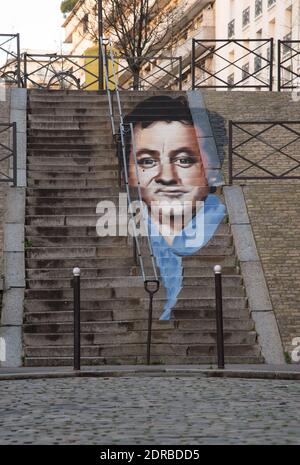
(241, 64)
(243, 20)
(194, 19)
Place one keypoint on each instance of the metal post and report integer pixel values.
(76, 289)
(135, 252)
(180, 73)
(219, 316)
(100, 40)
(151, 293)
(19, 61)
(193, 64)
(279, 65)
(230, 163)
(271, 63)
(15, 155)
(25, 70)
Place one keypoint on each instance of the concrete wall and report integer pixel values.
(273, 206)
(4, 118)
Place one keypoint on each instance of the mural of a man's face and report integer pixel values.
(170, 168)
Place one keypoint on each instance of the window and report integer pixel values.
(245, 71)
(286, 49)
(230, 80)
(231, 29)
(271, 3)
(246, 16)
(257, 64)
(85, 23)
(258, 8)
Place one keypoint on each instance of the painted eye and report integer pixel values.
(185, 162)
(147, 162)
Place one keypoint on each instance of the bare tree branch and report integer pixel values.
(137, 27)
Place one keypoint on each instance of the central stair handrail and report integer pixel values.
(120, 138)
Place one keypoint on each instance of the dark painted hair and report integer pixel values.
(154, 109)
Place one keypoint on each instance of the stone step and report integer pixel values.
(69, 183)
(60, 139)
(157, 349)
(84, 231)
(91, 145)
(107, 262)
(70, 164)
(200, 271)
(110, 251)
(59, 192)
(50, 128)
(69, 201)
(81, 166)
(60, 131)
(67, 326)
(120, 309)
(71, 109)
(108, 154)
(141, 360)
(128, 281)
(44, 241)
(83, 174)
(34, 106)
(67, 118)
(139, 337)
(198, 292)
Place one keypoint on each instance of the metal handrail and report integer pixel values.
(123, 150)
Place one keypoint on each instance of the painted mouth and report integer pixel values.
(170, 193)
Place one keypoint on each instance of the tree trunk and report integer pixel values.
(136, 79)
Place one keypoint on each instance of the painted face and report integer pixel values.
(170, 169)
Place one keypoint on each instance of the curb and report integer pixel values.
(214, 373)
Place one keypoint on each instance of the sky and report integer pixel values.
(38, 22)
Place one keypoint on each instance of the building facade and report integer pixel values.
(215, 24)
(243, 20)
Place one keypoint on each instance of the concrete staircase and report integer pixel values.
(71, 167)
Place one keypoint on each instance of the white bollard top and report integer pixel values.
(76, 271)
(218, 269)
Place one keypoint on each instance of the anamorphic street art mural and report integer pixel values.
(172, 158)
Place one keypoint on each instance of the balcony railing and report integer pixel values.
(215, 64)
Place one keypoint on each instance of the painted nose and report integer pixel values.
(167, 174)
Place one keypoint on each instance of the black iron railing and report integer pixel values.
(8, 152)
(232, 64)
(288, 65)
(264, 150)
(147, 73)
(61, 72)
(10, 59)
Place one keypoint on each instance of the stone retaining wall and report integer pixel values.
(273, 206)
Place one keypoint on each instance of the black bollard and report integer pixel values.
(76, 290)
(219, 316)
(151, 292)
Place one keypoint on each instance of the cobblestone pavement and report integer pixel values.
(153, 411)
